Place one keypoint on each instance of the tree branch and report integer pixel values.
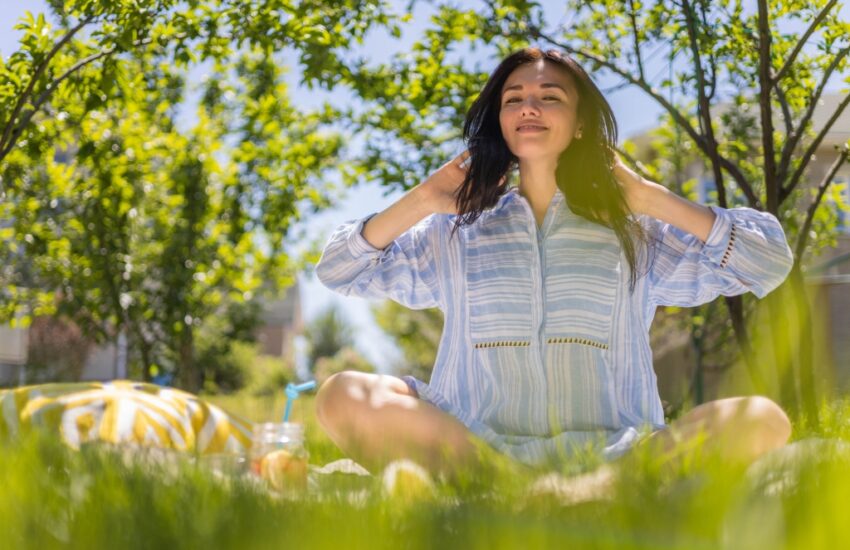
(24, 97)
(798, 174)
(741, 180)
(796, 136)
(771, 184)
(48, 91)
(803, 235)
(637, 41)
(803, 39)
(712, 61)
(704, 107)
(786, 115)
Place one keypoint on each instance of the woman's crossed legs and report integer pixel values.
(377, 419)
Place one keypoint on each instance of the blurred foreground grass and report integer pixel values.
(54, 497)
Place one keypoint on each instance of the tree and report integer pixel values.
(121, 220)
(225, 345)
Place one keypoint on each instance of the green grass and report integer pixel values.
(54, 497)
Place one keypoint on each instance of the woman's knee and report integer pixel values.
(774, 425)
(756, 418)
(335, 396)
(351, 397)
(757, 422)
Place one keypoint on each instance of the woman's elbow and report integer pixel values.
(777, 271)
(326, 275)
(785, 261)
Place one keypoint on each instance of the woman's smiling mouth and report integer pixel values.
(530, 128)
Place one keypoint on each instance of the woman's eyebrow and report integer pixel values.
(543, 85)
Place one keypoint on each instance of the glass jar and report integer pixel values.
(278, 455)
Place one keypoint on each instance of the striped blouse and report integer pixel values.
(544, 350)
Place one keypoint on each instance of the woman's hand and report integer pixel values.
(637, 190)
(439, 190)
(646, 197)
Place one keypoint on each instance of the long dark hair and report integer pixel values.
(584, 168)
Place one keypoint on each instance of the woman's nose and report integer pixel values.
(530, 106)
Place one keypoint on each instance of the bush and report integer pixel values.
(243, 367)
(225, 349)
(57, 351)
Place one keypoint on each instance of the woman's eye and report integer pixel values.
(545, 98)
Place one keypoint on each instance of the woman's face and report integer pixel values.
(538, 114)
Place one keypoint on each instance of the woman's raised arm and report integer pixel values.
(394, 254)
(703, 252)
(435, 195)
(656, 201)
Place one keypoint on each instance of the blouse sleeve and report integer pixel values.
(746, 250)
(405, 271)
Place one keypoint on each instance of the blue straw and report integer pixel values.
(292, 391)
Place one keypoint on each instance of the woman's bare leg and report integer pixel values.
(376, 419)
(740, 429)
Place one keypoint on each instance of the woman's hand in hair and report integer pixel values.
(638, 191)
(646, 197)
(439, 190)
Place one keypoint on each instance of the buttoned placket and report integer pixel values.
(538, 271)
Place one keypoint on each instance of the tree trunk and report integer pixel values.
(735, 304)
(697, 344)
(189, 373)
(144, 351)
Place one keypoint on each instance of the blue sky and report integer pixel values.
(633, 110)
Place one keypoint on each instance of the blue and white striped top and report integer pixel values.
(544, 349)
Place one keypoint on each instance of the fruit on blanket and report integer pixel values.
(284, 470)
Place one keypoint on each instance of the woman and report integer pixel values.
(548, 290)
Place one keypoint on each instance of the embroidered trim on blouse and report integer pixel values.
(582, 341)
(563, 340)
(502, 344)
(729, 247)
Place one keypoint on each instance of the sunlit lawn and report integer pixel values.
(95, 498)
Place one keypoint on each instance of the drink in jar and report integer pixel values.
(278, 455)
